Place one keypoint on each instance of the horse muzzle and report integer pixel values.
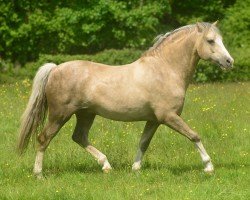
(226, 63)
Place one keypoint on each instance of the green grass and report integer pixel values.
(172, 168)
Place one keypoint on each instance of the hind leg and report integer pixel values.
(44, 138)
(80, 136)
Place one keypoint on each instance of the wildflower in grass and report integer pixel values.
(243, 154)
(196, 99)
(224, 135)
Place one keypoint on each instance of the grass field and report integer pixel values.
(172, 167)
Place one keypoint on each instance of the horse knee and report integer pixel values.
(41, 138)
(80, 139)
(43, 142)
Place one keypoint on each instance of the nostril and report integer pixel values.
(229, 61)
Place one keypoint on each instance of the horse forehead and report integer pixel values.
(212, 34)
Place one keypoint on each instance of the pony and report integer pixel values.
(150, 89)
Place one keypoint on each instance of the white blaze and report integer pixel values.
(223, 50)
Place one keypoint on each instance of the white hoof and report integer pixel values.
(209, 168)
(106, 167)
(136, 166)
(39, 176)
(106, 170)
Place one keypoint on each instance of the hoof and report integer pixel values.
(209, 168)
(39, 176)
(136, 167)
(106, 167)
(106, 170)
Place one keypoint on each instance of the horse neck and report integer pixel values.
(181, 57)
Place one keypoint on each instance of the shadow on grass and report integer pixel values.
(82, 168)
(121, 167)
(176, 170)
(232, 165)
(94, 168)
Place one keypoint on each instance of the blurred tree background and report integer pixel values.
(37, 31)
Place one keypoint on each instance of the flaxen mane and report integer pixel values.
(160, 39)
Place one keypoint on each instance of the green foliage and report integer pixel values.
(30, 28)
(112, 57)
(207, 72)
(236, 26)
(191, 11)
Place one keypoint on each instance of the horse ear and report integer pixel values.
(215, 23)
(199, 27)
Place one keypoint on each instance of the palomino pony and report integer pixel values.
(151, 89)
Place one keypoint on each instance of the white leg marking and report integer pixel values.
(222, 47)
(205, 157)
(137, 164)
(101, 158)
(38, 164)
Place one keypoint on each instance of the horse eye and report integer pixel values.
(210, 41)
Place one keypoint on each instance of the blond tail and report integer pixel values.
(35, 112)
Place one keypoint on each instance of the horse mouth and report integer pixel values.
(224, 67)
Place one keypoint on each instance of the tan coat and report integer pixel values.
(150, 89)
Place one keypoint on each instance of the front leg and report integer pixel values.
(146, 137)
(176, 122)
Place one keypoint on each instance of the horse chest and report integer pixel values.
(167, 100)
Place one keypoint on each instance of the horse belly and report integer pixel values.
(124, 111)
(125, 116)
